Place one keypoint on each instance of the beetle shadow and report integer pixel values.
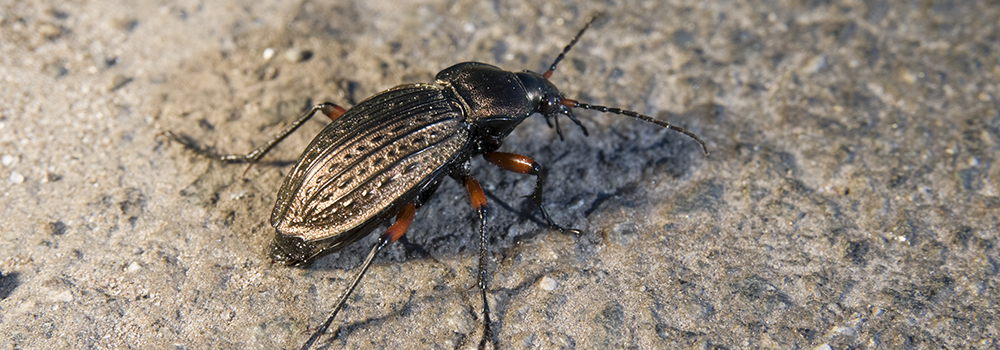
(528, 214)
(351, 256)
(8, 283)
(503, 299)
(340, 336)
(344, 331)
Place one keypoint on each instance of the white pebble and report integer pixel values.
(548, 284)
(16, 177)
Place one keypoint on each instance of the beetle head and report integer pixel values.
(547, 100)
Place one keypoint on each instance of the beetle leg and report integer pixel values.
(569, 113)
(524, 165)
(403, 220)
(478, 199)
(555, 119)
(329, 109)
(548, 120)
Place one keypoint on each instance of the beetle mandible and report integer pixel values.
(387, 155)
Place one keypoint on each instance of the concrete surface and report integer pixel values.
(850, 199)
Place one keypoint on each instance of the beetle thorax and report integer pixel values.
(495, 100)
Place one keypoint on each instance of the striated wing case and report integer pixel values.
(370, 161)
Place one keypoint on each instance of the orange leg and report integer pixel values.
(333, 111)
(524, 165)
(403, 220)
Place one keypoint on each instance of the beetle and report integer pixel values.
(386, 156)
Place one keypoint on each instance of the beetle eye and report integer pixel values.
(549, 104)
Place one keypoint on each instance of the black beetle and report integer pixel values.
(387, 155)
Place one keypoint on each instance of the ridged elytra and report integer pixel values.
(387, 155)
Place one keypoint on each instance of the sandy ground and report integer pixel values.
(851, 196)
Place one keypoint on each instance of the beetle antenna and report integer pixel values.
(562, 55)
(577, 104)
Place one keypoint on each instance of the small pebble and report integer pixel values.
(7, 160)
(132, 267)
(16, 177)
(548, 284)
(296, 55)
(118, 81)
(64, 296)
(813, 65)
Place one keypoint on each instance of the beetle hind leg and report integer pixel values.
(403, 220)
(524, 165)
(329, 109)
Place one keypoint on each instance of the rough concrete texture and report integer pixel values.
(851, 198)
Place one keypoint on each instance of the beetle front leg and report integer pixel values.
(524, 165)
(329, 109)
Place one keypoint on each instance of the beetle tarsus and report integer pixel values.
(189, 144)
